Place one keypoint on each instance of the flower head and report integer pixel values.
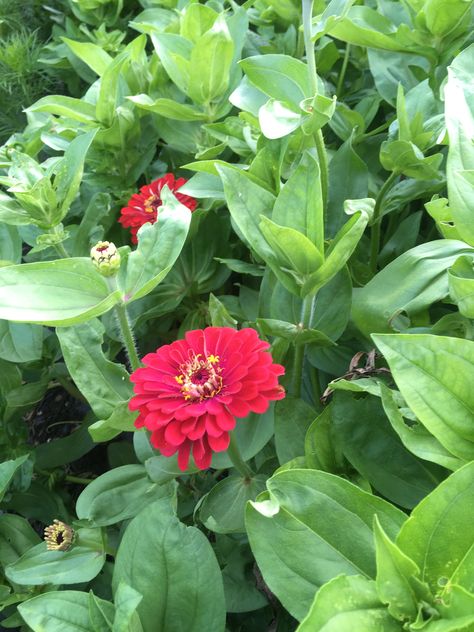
(143, 207)
(58, 536)
(106, 258)
(190, 392)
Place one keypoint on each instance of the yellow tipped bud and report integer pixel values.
(106, 258)
(58, 536)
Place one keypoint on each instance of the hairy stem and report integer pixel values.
(127, 336)
(342, 75)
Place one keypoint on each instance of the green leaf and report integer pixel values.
(91, 54)
(101, 617)
(174, 52)
(416, 437)
(458, 95)
(103, 383)
(20, 342)
(12, 212)
(168, 108)
(295, 333)
(293, 417)
(343, 244)
(7, 472)
(405, 157)
(196, 20)
(442, 17)
(222, 509)
(398, 583)
(157, 550)
(61, 611)
(292, 253)
(210, 61)
(408, 285)
(348, 604)
(126, 603)
(280, 77)
(159, 245)
(374, 449)
(119, 494)
(434, 375)
(68, 107)
(16, 537)
(220, 317)
(435, 536)
(299, 204)
(56, 293)
(69, 174)
(81, 563)
(64, 450)
(321, 450)
(277, 120)
(311, 515)
(461, 285)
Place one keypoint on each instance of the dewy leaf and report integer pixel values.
(57, 293)
(459, 102)
(103, 383)
(60, 611)
(435, 376)
(159, 245)
(310, 536)
(174, 568)
(398, 583)
(437, 536)
(348, 603)
(409, 284)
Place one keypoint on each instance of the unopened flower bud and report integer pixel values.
(106, 258)
(58, 536)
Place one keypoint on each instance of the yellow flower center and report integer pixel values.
(200, 377)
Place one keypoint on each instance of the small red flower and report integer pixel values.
(143, 207)
(191, 391)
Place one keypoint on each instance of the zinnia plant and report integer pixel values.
(191, 391)
(143, 207)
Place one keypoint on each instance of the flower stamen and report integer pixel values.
(200, 377)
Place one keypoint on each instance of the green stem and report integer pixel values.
(127, 336)
(309, 46)
(306, 310)
(237, 461)
(60, 249)
(78, 479)
(377, 221)
(323, 167)
(342, 74)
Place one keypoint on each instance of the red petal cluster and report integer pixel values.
(143, 207)
(190, 392)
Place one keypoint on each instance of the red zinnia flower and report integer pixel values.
(190, 391)
(143, 207)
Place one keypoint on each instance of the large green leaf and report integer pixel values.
(459, 95)
(293, 417)
(20, 342)
(303, 531)
(7, 472)
(435, 376)
(437, 537)
(407, 285)
(348, 604)
(174, 568)
(159, 245)
(16, 537)
(375, 450)
(105, 384)
(58, 293)
(117, 495)
(61, 611)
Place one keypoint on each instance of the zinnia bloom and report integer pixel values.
(191, 391)
(143, 207)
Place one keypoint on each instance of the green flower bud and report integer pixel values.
(106, 258)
